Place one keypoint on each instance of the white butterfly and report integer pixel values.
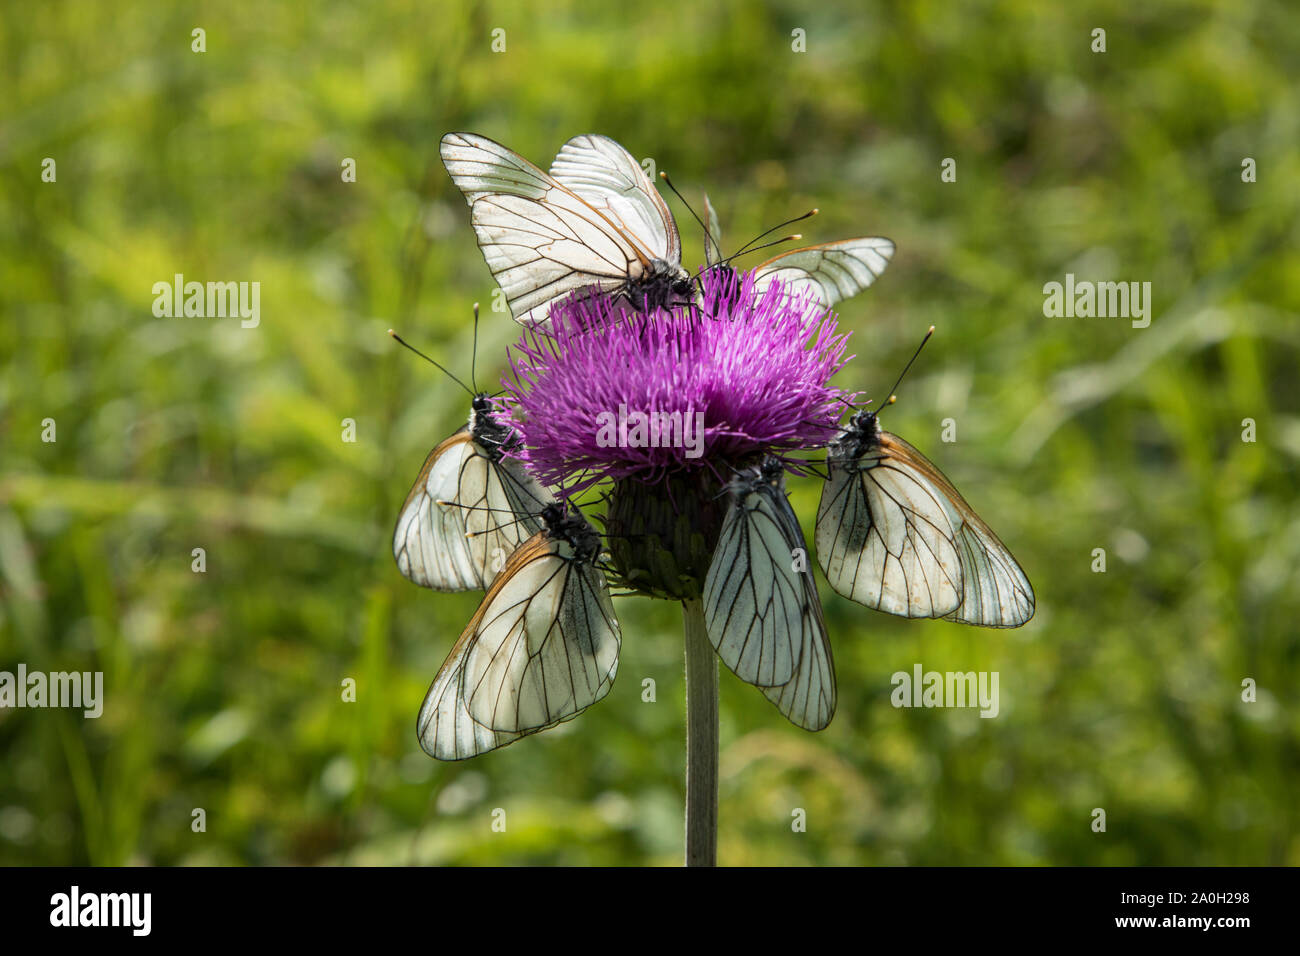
(894, 534)
(469, 509)
(594, 224)
(819, 275)
(761, 609)
(542, 647)
(827, 273)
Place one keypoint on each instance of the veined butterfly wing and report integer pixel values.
(762, 615)
(542, 647)
(469, 509)
(894, 534)
(713, 231)
(604, 174)
(541, 239)
(828, 272)
(808, 697)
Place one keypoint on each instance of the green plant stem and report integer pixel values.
(701, 740)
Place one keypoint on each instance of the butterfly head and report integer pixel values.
(726, 283)
(860, 437)
(769, 473)
(568, 525)
(493, 435)
(683, 289)
(664, 285)
(723, 273)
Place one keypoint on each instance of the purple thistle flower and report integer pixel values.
(738, 377)
(692, 415)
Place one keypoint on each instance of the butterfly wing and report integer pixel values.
(464, 516)
(894, 534)
(542, 647)
(828, 272)
(808, 698)
(995, 590)
(541, 240)
(763, 615)
(604, 174)
(525, 498)
(714, 230)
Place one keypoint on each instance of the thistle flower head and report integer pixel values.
(610, 394)
(669, 405)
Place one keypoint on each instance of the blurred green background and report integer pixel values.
(223, 688)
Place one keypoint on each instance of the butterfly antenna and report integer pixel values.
(845, 401)
(707, 238)
(447, 503)
(892, 397)
(627, 536)
(499, 526)
(473, 356)
(599, 499)
(774, 242)
(779, 225)
(403, 342)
